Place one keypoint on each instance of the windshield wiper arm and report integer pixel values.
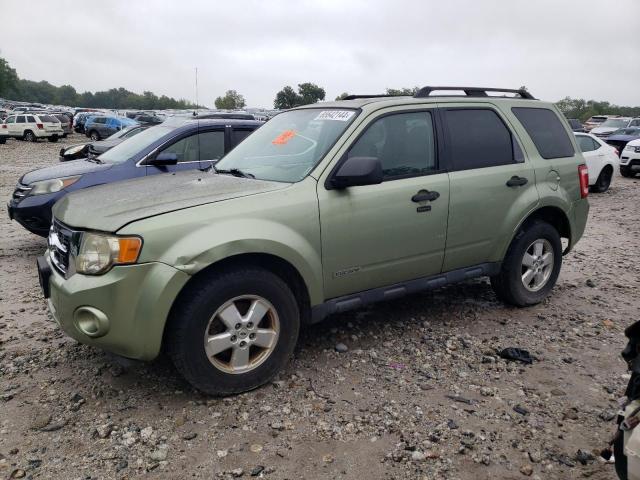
(93, 159)
(236, 172)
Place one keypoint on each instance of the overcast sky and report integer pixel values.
(578, 48)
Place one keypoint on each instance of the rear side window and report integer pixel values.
(238, 135)
(478, 138)
(211, 145)
(586, 144)
(31, 119)
(546, 130)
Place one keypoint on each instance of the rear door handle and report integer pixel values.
(516, 181)
(424, 196)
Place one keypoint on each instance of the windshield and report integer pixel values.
(615, 123)
(288, 147)
(127, 149)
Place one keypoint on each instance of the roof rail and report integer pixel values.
(473, 91)
(355, 97)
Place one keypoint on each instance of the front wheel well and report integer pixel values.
(554, 216)
(272, 263)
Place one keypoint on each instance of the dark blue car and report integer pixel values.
(620, 138)
(169, 147)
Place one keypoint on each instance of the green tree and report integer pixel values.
(231, 100)
(307, 93)
(8, 79)
(286, 98)
(402, 91)
(310, 93)
(342, 96)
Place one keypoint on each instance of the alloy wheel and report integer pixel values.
(537, 265)
(242, 334)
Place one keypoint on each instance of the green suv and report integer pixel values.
(325, 208)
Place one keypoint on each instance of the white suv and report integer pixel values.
(31, 127)
(601, 158)
(630, 159)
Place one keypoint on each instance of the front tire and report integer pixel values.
(604, 180)
(531, 267)
(95, 136)
(626, 172)
(233, 330)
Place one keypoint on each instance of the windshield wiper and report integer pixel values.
(236, 172)
(93, 159)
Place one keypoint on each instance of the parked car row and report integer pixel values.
(93, 149)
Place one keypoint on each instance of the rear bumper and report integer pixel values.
(129, 304)
(578, 217)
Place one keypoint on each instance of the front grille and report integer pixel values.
(59, 243)
(21, 191)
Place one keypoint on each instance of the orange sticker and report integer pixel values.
(284, 137)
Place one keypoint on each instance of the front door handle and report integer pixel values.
(516, 181)
(424, 196)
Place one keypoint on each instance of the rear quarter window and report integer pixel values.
(546, 131)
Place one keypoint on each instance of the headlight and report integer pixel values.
(53, 185)
(74, 150)
(99, 252)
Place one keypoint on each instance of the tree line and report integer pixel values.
(15, 88)
(583, 109)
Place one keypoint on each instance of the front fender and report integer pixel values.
(195, 252)
(283, 223)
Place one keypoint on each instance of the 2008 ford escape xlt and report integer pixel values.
(325, 208)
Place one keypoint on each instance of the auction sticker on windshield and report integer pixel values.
(341, 115)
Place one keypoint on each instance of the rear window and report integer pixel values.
(48, 119)
(546, 130)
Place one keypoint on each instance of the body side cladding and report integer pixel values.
(397, 290)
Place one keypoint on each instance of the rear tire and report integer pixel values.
(29, 136)
(95, 136)
(233, 295)
(3, 140)
(531, 267)
(604, 180)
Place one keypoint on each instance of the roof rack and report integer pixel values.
(473, 91)
(355, 97)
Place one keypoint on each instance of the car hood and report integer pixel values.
(110, 207)
(634, 143)
(603, 130)
(622, 138)
(67, 169)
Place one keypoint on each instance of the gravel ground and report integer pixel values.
(415, 390)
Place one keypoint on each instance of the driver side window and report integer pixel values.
(404, 143)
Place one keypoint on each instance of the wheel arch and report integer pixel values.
(272, 263)
(552, 215)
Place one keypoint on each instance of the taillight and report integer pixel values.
(40, 126)
(4, 125)
(583, 174)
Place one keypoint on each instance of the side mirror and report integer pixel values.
(357, 171)
(163, 159)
